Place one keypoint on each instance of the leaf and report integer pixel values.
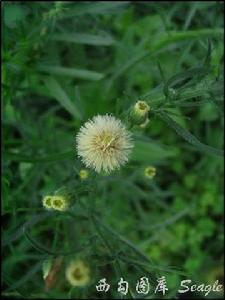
(71, 72)
(98, 7)
(150, 152)
(45, 159)
(43, 249)
(13, 14)
(190, 138)
(36, 245)
(179, 78)
(16, 235)
(161, 72)
(8, 280)
(28, 276)
(84, 38)
(170, 38)
(58, 93)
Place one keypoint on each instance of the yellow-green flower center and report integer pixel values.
(77, 274)
(57, 202)
(105, 141)
(48, 201)
(150, 172)
(142, 106)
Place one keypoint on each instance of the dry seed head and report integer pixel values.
(104, 144)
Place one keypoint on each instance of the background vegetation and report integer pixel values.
(64, 62)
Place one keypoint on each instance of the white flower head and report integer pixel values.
(104, 143)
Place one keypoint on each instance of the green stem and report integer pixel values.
(117, 265)
(122, 239)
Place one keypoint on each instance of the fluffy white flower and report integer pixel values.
(104, 143)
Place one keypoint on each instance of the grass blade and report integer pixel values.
(71, 72)
(98, 7)
(84, 38)
(170, 38)
(58, 93)
(190, 138)
(45, 159)
(28, 276)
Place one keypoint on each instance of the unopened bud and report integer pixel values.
(139, 112)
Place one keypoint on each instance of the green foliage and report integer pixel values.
(64, 62)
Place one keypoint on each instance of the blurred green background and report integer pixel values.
(64, 62)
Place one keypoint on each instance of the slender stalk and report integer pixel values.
(117, 265)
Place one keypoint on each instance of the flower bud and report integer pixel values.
(139, 112)
(60, 203)
(150, 172)
(84, 174)
(47, 202)
(78, 273)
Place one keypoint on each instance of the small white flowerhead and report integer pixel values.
(60, 203)
(83, 174)
(150, 172)
(78, 273)
(104, 143)
(47, 202)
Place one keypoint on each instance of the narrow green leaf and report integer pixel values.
(179, 78)
(190, 138)
(97, 7)
(16, 235)
(22, 293)
(58, 93)
(36, 245)
(43, 249)
(170, 38)
(45, 159)
(71, 72)
(84, 38)
(208, 54)
(28, 276)
(161, 71)
(150, 152)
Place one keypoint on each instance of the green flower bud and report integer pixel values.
(139, 112)
(84, 174)
(47, 202)
(150, 172)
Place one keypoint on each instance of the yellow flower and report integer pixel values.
(84, 174)
(150, 172)
(104, 143)
(59, 203)
(47, 202)
(139, 112)
(78, 273)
